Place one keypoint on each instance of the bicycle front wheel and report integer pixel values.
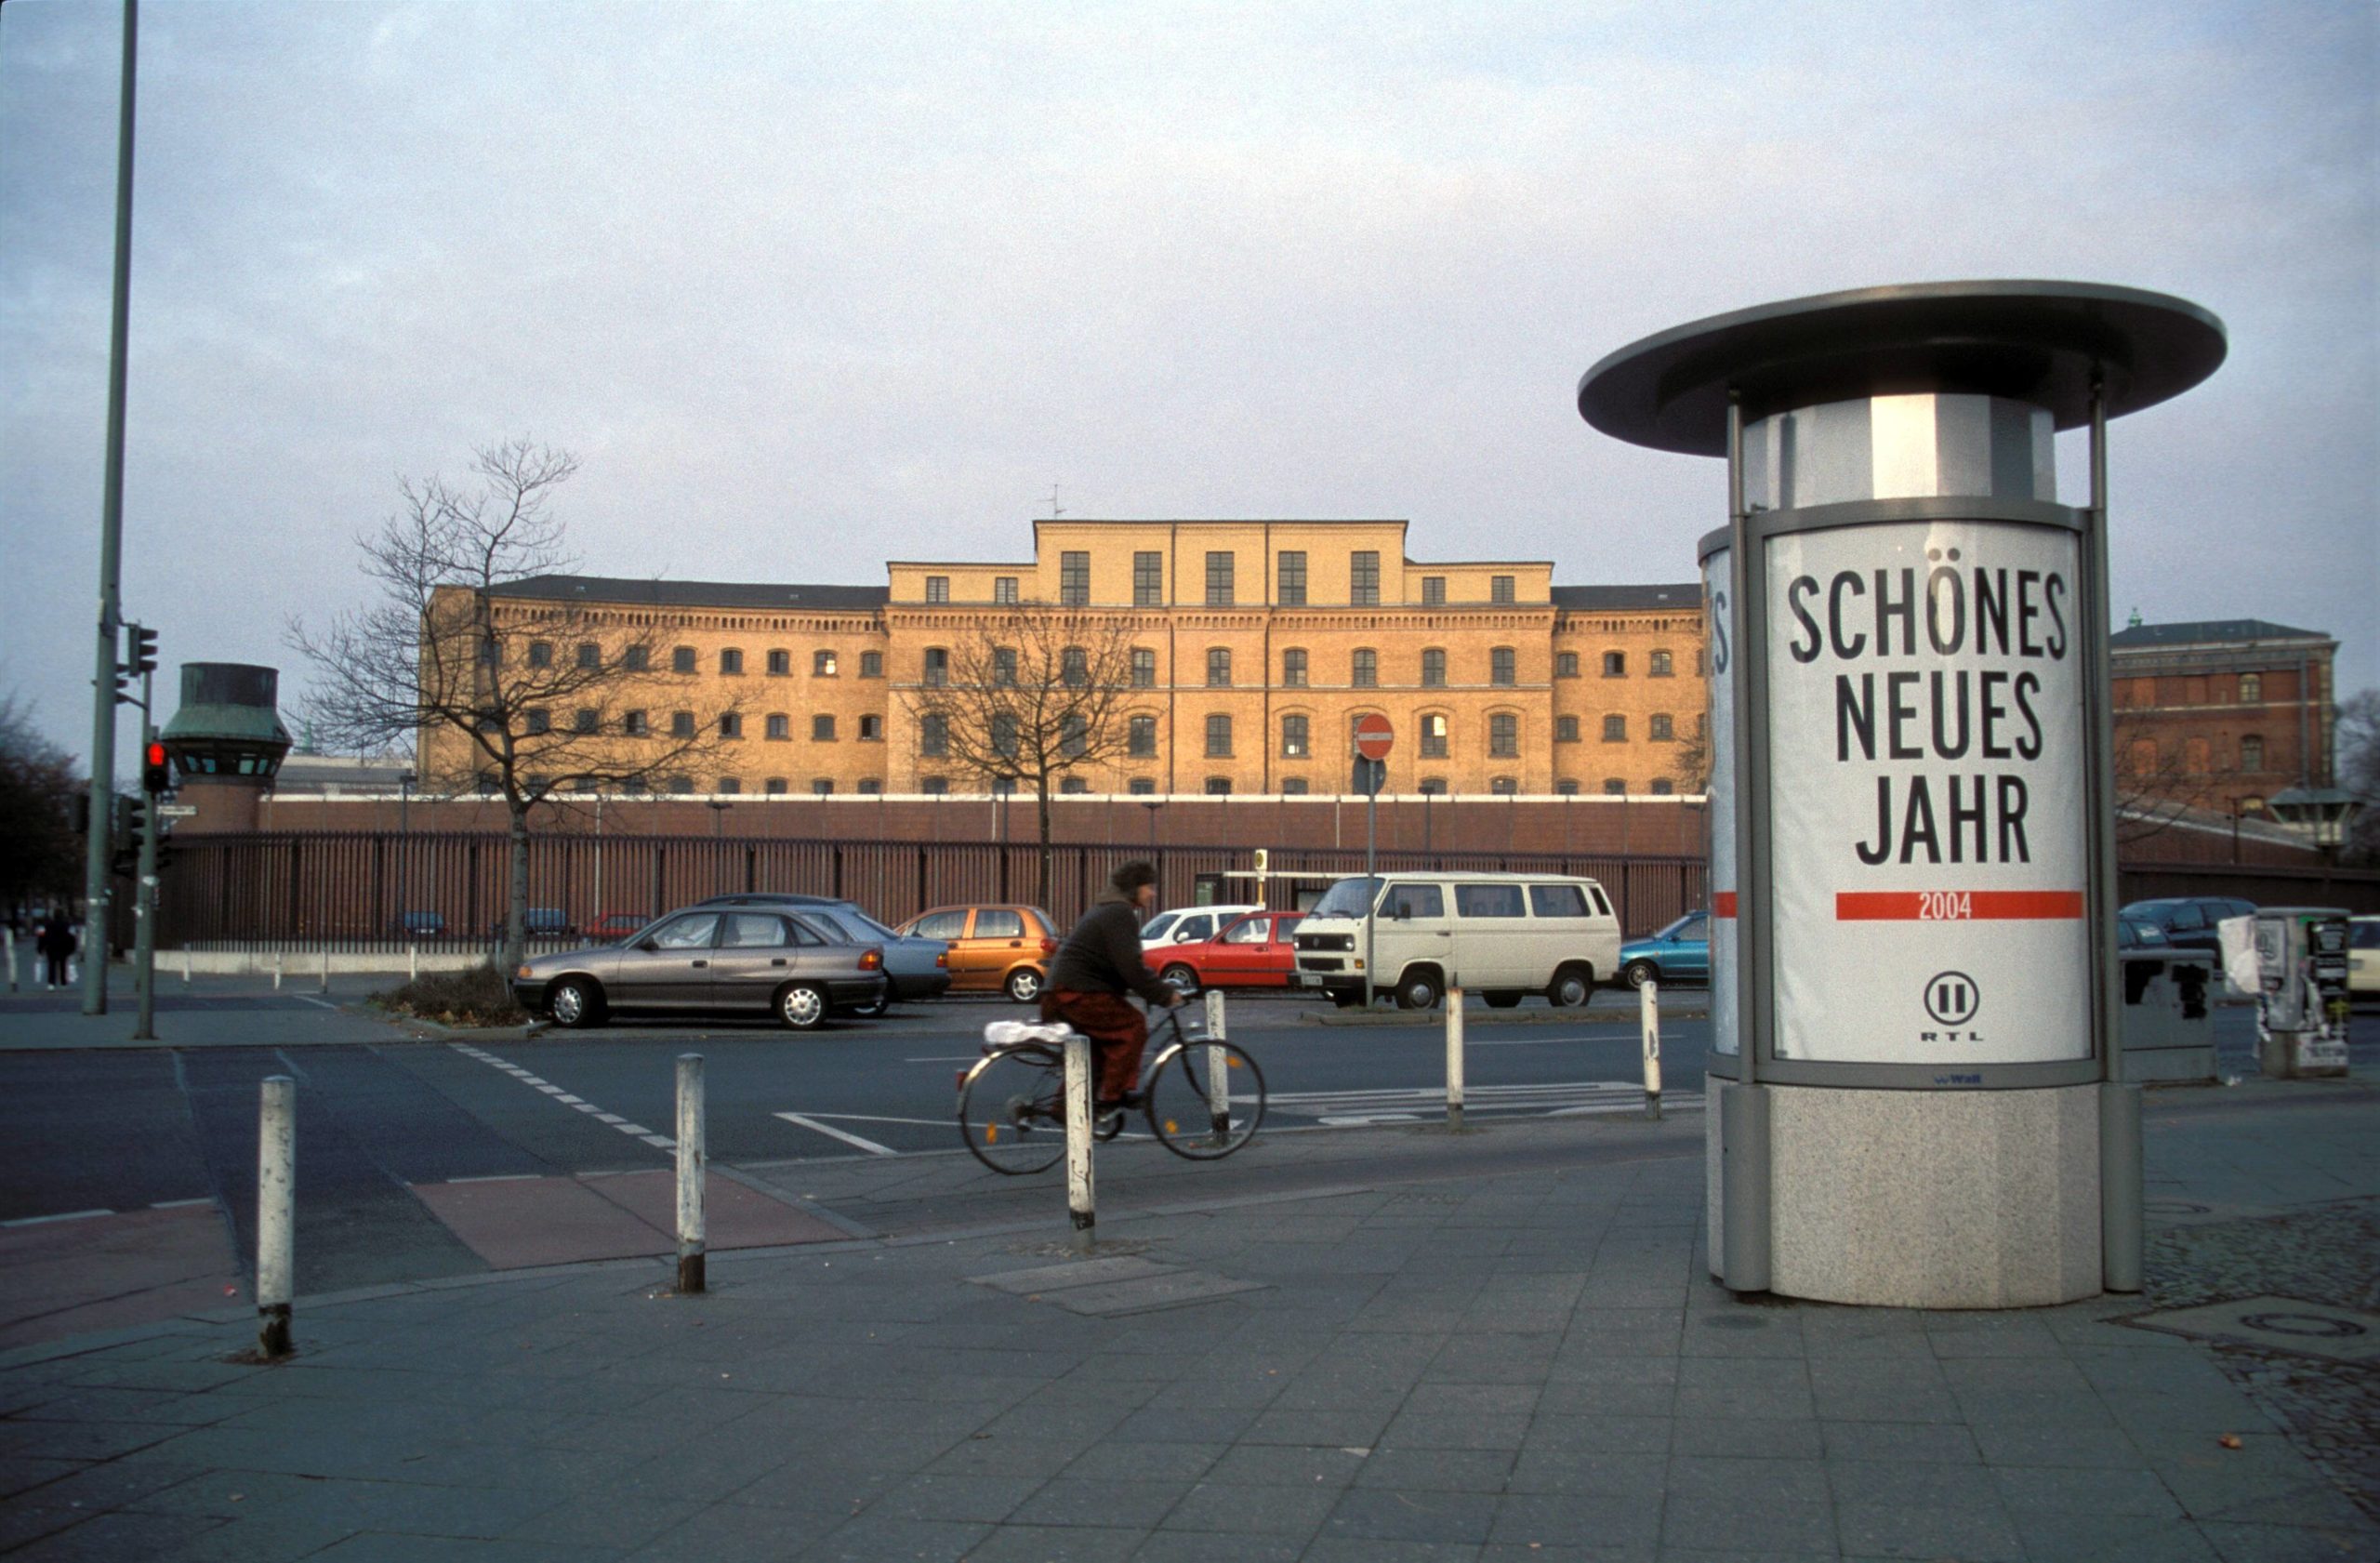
(1012, 1109)
(1205, 1099)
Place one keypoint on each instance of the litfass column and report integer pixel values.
(1913, 972)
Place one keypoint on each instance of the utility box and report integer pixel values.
(2302, 996)
(2168, 1024)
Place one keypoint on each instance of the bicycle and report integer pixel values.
(1203, 1097)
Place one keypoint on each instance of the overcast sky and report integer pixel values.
(810, 287)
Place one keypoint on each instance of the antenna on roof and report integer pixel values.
(1054, 512)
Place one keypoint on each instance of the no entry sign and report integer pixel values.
(1374, 738)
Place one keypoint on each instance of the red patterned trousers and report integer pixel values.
(1118, 1028)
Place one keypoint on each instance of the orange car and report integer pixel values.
(993, 950)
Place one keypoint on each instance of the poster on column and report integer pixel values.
(1718, 590)
(1926, 795)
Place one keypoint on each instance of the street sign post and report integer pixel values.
(1374, 738)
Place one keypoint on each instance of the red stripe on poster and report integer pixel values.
(1957, 905)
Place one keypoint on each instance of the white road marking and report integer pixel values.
(838, 1134)
(305, 999)
(500, 1177)
(874, 1117)
(634, 1131)
(182, 1204)
(45, 1220)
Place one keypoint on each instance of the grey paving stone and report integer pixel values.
(1625, 1435)
(1033, 1544)
(1923, 1442)
(2037, 1408)
(1746, 1438)
(1144, 1461)
(870, 1540)
(1475, 1430)
(1288, 1465)
(1745, 1522)
(1639, 1476)
(1882, 1389)
(2289, 1544)
(1912, 1484)
(1374, 1549)
(371, 1547)
(1437, 1470)
(1209, 1546)
(1471, 1400)
(1769, 1480)
(1969, 1534)
(2051, 1534)
(1559, 1521)
(2022, 1443)
(1184, 1424)
(1334, 1428)
(1243, 1508)
(1744, 1387)
(258, 1539)
(1375, 1514)
(1136, 1506)
(2085, 1492)
(600, 1520)
(1580, 1398)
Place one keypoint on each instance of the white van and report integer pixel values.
(1188, 925)
(1502, 935)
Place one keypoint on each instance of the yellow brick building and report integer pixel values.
(1256, 646)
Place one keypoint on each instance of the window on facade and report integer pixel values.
(1004, 590)
(1218, 787)
(1218, 666)
(586, 720)
(1615, 664)
(822, 663)
(2252, 688)
(1073, 578)
(1293, 787)
(1143, 668)
(1433, 591)
(1499, 590)
(730, 725)
(731, 785)
(679, 785)
(937, 667)
(1661, 788)
(541, 654)
(821, 729)
(634, 724)
(871, 664)
(1218, 583)
(1074, 784)
(933, 734)
(1566, 788)
(1614, 788)
(1565, 665)
(1003, 667)
(681, 724)
(1659, 666)
(1293, 668)
(1434, 735)
(937, 588)
(821, 787)
(934, 787)
(1295, 742)
(2198, 757)
(780, 663)
(731, 662)
(1148, 579)
(1615, 729)
(636, 659)
(1140, 738)
(774, 787)
(1364, 673)
(871, 730)
(682, 659)
(1566, 730)
(871, 784)
(490, 653)
(1074, 666)
(1141, 786)
(1073, 737)
(1505, 735)
(2252, 755)
(1362, 577)
(1219, 736)
(538, 720)
(1434, 668)
(1004, 736)
(1500, 665)
(1503, 786)
(1292, 578)
(1663, 730)
(1434, 786)
(589, 654)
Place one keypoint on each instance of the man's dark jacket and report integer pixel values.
(1103, 955)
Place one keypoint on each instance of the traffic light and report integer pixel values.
(137, 821)
(132, 823)
(143, 648)
(164, 849)
(155, 776)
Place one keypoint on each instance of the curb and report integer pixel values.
(1583, 1015)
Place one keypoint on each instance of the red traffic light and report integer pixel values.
(156, 754)
(154, 778)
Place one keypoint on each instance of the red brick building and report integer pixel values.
(2221, 714)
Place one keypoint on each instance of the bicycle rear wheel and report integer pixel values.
(1205, 1099)
(1012, 1109)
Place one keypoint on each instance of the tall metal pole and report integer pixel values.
(2120, 1193)
(102, 843)
(1371, 873)
(144, 906)
(1743, 1106)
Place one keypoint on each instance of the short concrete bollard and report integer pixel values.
(276, 1213)
(1218, 1022)
(691, 1233)
(1080, 1203)
(1648, 1011)
(326, 969)
(413, 962)
(1454, 1058)
(276, 971)
(185, 965)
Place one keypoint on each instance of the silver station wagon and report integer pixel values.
(725, 962)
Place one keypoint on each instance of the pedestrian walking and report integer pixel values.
(57, 947)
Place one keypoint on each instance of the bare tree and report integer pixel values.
(1030, 695)
(514, 695)
(2157, 783)
(39, 856)
(2357, 743)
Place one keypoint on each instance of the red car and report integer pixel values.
(611, 927)
(1253, 951)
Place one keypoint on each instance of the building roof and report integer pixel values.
(1621, 598)
(697, 594)
(2207, 631)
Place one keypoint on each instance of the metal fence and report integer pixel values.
(365, 888)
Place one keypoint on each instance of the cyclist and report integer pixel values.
(1097, 967)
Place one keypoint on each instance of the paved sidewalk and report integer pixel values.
(1514, 1359)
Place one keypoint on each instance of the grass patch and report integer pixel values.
(478, 996)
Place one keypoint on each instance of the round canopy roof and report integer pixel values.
(2037, 342)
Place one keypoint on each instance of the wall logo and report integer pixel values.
(1951, 997)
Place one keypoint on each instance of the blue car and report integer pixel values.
(1680, 952)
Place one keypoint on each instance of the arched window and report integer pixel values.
(1434, 735)
(780, 725)
(1293, 668)
(1661, 668)
(1500, 665)
(1074, 666)
(1143, 668)
(1505, 735)
(1218, 667)
(731, 660)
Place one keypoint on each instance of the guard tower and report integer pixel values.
(1914, 995)
(226, 741)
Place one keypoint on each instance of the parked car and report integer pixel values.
(1188, 925)
(539, 922)
(1504, 936)
(611, 927)
(420, 925)
(2188, 922)
(1251, 951)
(2362, 957)
(713, 961)
(2135, 935)
(993, 950)
(914, 969)
(1677, 953)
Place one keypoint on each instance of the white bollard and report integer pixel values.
(1648, 1010)
(413, 962)
(1454, 1058)
(1217, 1021)
(276, 1213)
(327, 968)
(1079, 1203)
(276, 971)
(690, 1162)
(1218, 1078)
(185, 965)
